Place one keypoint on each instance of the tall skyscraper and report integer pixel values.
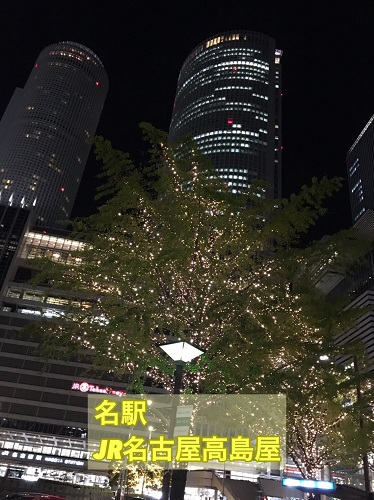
(360, 166)
(46, 128)
(43, 151)
(229, 100)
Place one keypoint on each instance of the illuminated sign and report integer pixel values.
(41, 458)
(175, 429)
(86, 387)
(308, 484)
(191, 449)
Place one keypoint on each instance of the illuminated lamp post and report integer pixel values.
(181, 353)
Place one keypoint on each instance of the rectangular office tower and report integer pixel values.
(360, 165)
(43, 403)
(360, 168)
(228, 100)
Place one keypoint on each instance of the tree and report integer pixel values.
(173, 252)
(138, 479)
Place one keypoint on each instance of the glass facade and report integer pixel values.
(45, 130)
(43, 403)
(229, 100)
(13, 222)
(360, 167)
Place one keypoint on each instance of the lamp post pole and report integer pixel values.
(178, 377)
(181, 353)
(170, 477)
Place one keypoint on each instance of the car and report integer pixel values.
(32, 496)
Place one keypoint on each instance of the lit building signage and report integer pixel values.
(41, 458)
(308, 483)
(86, 387)
(119, 428)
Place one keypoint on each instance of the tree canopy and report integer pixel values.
(173, 252)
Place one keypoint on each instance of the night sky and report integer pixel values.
(328, 75)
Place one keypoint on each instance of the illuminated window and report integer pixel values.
(57, 301)
(354, 167)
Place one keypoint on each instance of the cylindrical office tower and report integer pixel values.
(228, 100)
(46, 129)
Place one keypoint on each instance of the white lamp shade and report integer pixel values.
(181, 351)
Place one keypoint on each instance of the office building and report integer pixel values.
(46, 128)
(14, 222)
(43, 403)
(228, 100)
(360, 288)
(360, 166)
(43, 152)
